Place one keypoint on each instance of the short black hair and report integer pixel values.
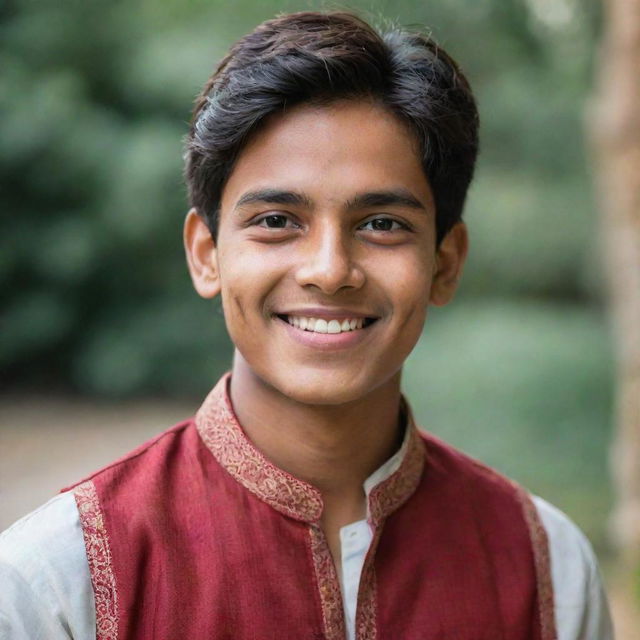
(320, 58)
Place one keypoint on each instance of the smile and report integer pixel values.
(327, 330)
(320, 325)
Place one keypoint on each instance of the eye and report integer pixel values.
(276, 221)
(383, 224)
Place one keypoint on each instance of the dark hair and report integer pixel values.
(324, 57)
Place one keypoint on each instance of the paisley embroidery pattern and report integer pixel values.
(99, 557)
(328, 585)
(224, 437)
(393, 492)
(540, 545)
(222, 434)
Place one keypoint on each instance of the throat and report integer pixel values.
(332, 447)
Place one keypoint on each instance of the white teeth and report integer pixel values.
(333, 326)
(320, 325)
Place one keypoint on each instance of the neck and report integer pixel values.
(333, 447)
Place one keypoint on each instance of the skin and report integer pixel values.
(300, 230)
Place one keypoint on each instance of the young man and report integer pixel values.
(327, 170)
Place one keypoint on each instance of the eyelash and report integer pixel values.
(259, 222)
(400, 226)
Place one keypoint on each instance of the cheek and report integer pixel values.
(247, 277)
(406, 277)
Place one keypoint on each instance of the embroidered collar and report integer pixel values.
(386, 489)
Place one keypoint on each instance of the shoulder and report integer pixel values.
(580, 602)
(470, 476)
(159, 449)
(44, 575)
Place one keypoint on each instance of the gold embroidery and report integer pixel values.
(393, 492)
(223, 435)
(99, 557)
(540, 545)
(366, 612)
(328, 585)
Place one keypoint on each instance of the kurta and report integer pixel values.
(195, 534)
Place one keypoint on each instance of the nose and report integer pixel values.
(327, 261)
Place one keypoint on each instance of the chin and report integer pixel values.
(323, 388)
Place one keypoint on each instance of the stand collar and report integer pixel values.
(386, 489)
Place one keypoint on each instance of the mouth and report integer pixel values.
(327, 325)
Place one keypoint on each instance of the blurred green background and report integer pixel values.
(95, 99)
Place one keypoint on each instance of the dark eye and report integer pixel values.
(382, 224)
(274, 221)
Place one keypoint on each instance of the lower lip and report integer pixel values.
(327, 341)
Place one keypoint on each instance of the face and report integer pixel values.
(325, 257)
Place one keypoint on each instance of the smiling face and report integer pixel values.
(325, 256)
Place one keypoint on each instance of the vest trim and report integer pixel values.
(328, 585)
(366, 609)
(542, 562)
(393, 492)
(98, 549)
(224, 437)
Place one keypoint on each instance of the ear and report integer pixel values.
(450, 257)
(202, 257)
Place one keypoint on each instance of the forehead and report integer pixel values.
(330, 153)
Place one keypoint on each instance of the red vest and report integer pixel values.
(196, 535)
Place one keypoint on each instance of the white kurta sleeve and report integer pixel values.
(45, 586)
(581, 608)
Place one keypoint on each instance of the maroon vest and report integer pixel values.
(196, 535)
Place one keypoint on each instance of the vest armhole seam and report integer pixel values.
(542, 565)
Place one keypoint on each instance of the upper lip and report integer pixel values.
(325, 312)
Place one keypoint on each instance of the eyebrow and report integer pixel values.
(385, 198)
(274, 196)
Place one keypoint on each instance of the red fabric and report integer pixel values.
(195, 554)
(455, 561)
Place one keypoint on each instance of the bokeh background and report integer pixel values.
(102, 339)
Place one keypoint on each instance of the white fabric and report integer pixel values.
(581, 608)
(45, 587)
(355, 539)
(46, 593)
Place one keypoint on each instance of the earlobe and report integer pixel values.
(450, 258)
(201, 255)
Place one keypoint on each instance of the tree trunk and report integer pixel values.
(614, 128)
